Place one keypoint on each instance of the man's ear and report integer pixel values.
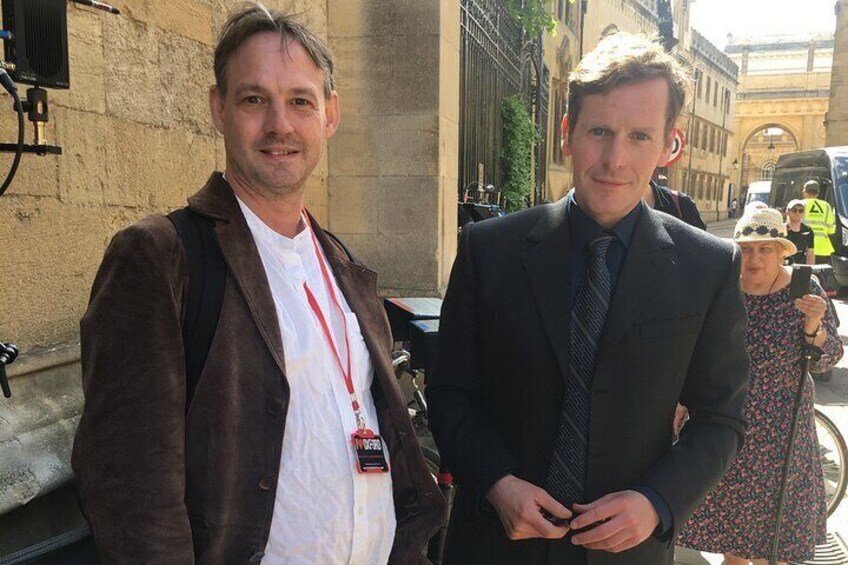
(669, 145)
(565, 141)
(216, 108)
(332, 115)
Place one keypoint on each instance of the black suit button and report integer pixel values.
(265, 483)
(257, 557)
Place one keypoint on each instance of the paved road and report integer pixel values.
(723, 228)
(831, 398)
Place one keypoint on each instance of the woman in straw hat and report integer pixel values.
(738, 517)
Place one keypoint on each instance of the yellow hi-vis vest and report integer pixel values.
(820, 217)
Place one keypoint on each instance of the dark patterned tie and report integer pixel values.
(567, 472)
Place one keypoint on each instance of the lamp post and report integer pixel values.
(735, 166)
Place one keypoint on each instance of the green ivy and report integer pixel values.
(519, 138)
(533, 15)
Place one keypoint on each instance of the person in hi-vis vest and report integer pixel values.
(822, 218)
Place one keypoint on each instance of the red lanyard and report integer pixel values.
(316, 309)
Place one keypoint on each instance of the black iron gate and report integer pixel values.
(497, 60)
(541, 98)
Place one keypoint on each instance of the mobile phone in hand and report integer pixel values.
(800, 283)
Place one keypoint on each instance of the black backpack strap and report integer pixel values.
(207, 274)
(676, 197)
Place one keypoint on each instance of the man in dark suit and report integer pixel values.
(570, 331)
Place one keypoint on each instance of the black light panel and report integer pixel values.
(39, 45)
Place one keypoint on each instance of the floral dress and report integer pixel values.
(738, 516)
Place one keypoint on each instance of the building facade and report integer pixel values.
(561, 54)
(837, 112)
(782, 102)
(703, 170)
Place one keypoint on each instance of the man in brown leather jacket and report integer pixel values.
(262, 460)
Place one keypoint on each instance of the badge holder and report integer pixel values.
(370, 457)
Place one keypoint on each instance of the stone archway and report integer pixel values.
(761, 146)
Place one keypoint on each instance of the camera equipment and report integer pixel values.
(36, 52)
(39, 45)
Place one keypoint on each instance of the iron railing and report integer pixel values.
(497, 60)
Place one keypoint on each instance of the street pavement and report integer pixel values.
(724, 228)
(831, 398)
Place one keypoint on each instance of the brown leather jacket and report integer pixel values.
(159, 486)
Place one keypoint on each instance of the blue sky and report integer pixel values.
(755, 18)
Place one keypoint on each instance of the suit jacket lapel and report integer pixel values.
(649, 258)
(217, 201)
(549, 276)
(359, 286)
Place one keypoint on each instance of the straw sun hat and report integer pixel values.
(763, 225)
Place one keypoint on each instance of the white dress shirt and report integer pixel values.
(325, 512)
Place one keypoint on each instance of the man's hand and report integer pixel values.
(681, 415)
(625, 519)
(520, 504)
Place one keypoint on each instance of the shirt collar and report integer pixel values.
(582, 228)
(300, 243)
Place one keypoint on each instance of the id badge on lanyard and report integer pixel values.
(368, 446)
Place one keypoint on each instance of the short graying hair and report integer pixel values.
(253, 18)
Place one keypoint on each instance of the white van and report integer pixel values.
(758, 192)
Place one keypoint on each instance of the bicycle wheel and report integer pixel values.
(834, 458)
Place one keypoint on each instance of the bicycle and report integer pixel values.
(834, 457)
(415, 326)
(418, 414)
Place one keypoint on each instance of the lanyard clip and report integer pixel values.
(360, 421)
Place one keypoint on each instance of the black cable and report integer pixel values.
(6, 82)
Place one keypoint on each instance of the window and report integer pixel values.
(704, 139)
(698, 82)
(558, 111)
(709, 85)
(715, 96)
(609, 30)
(696, 137)
(768, 171)
(724, 145)
(712, 140)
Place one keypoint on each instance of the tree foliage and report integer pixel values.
(533, 15)
(519, 138)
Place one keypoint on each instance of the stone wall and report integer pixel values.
(137, 139)
(394, 162)
(837, 113)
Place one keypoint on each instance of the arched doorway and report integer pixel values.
(759, 153)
